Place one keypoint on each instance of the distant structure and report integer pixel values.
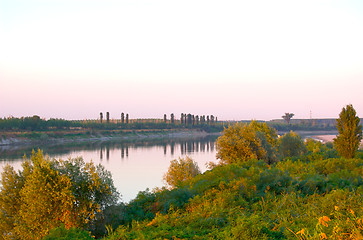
(288, 117)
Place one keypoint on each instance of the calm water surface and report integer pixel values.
(135, 166)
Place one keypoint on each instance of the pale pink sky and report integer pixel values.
(234, 59)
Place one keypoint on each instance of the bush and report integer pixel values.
(61, 233)
(242, 142)
(180, 171)
(48, 193)
(291, 145)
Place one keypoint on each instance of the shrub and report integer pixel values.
(48, 193)
(61, 233)
(242, 142)
(180, 171)
(291, 145)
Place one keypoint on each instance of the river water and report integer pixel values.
(134, 165)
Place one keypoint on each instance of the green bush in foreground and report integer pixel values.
(292, 199)
(61, 233)
(49, 193)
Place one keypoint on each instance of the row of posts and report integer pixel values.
(189, 119)
(123, 119)
(185, 119)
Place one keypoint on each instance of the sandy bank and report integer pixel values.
(325, 138)
(330, 138)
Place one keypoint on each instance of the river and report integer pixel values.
(134, 165)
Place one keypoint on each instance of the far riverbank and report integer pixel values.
(8, 139)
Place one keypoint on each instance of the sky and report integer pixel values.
(237, 60)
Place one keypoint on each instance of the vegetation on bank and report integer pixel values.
(296, 190)
(263, 187)
(35, 123)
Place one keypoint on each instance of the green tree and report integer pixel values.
(350, 132)
(291, 145)
(122, 118)
(288, 117)
(189, 119)
(11, 184)
(49, 193)
(180, 170)
(107, 117)
(181, 118)
(101, 117)
(212, 119)
(172, 118)
(241, 142)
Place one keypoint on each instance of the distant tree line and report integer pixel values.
(36, 123)
(189, 119)
(207, 123)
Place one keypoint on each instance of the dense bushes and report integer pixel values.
(308, 198)
(49, 193)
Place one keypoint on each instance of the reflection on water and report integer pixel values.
(135, 165)
(182, 147)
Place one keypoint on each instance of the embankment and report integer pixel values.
(60, 137)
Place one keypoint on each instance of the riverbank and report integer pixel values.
(78, 136)
(330, 138)
(325, 138)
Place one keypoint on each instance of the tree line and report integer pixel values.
(36, 123)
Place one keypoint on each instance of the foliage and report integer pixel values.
(242, 142)
(62, 233)
(48, 193)
(180, 171)
(291, 145)
(307, 198)
(35, 123)
(350, 132)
